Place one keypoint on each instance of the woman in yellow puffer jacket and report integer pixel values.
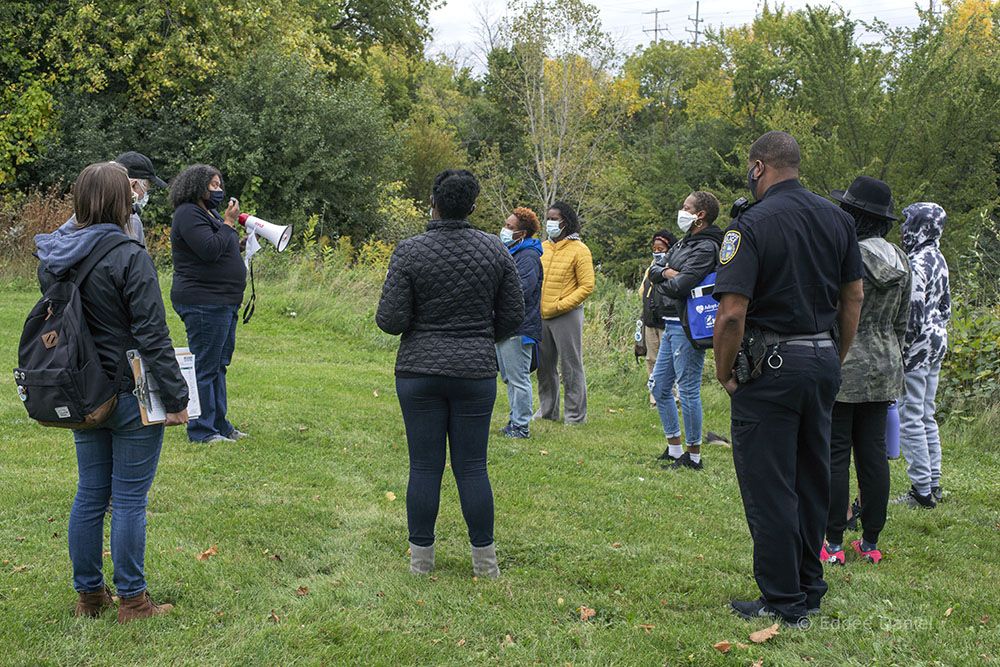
(567, 280)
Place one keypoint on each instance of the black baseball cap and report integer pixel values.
(140, 166)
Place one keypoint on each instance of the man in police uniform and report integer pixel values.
(790, 272)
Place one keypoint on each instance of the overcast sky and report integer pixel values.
(456, 25)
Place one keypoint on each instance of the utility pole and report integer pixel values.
(656, 23)
(696, 20)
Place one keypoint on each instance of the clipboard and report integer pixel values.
(147, 389)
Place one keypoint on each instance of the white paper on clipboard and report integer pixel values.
(148, 389)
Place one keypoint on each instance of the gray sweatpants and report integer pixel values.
(561, 349)
(918, 430)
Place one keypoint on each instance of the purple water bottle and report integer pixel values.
(892, 432)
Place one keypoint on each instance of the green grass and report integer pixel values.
(593, 522)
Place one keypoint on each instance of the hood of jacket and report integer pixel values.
(527, 244)
(66, 247)
(713, 232)
(922, 227)
(885, 265)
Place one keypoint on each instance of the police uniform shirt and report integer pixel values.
(789, 253)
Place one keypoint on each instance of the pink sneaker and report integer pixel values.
(833, 558)
(872, 556)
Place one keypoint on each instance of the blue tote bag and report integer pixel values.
(698, 315)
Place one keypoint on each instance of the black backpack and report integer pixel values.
(60, 379)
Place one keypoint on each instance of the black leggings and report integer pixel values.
(457, 411)
(861, 427)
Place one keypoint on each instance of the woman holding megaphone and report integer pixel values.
(209, 279)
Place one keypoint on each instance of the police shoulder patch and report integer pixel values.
(730, 244)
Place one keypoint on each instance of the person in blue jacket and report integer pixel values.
(516, 354)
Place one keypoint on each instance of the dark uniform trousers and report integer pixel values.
(781, 452)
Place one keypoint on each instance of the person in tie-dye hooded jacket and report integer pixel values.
(925, 346)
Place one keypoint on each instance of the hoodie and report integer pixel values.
(527, 255)
(930, 299)
(873, 369)
(121, 303)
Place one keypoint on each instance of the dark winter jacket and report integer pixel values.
(654, 302)
(208, 269)
(452, 292)
(694, 257)
(527, 255)
(930, 298)
(121, 303)
(873, 369)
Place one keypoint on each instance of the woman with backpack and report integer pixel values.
(123, 310)
(688, 262)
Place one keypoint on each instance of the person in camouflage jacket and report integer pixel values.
(872, 372)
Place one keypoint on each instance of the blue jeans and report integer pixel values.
(211, 334)
(514, 359)
(440, 410)
(118, 459)
(919, 441)
(678, 360)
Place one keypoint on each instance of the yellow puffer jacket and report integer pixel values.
(567, 276)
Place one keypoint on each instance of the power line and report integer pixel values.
(696, 20)
(656, 23)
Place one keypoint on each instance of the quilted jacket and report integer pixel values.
(567, 276)
(451, 292)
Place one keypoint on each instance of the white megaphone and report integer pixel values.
(279, 236)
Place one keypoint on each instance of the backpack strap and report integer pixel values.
(103, 247)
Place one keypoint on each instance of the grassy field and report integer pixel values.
(312, 565)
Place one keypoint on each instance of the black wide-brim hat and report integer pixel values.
(869, 195)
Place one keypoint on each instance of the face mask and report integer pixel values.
(140, 204)
(685, 220)
(553, 228)
(507, 236)
(215, 198)
(660, 258)
(752, 182)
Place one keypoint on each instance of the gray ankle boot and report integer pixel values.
(484, 561)
(421, 559)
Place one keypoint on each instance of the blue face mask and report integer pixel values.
(215, 197)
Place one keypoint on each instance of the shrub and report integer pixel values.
(970, 372)
(40, 211)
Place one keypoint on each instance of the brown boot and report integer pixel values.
(140, 606)
(94, 602)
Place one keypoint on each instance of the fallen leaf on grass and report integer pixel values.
(303, 428)
(742, 645)
(542, 452)
(586, 613)
(616, 545)
(105, 553)
(507, 641)
(20, 539)
(723, 646)
(461, 642)
(948, 613)
(375, 394)
(984, 620)
(22, 568)
(274, 617)
(390, 495)
(302, 590)
(759, 662)
(208, 553)
(762, 636)
(646, 627)
(51, 519)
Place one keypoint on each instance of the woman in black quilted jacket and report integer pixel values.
(451, 292)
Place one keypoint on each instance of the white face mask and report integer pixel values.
(507, 236)
(553, 228)
(141, 204)
(685, 220)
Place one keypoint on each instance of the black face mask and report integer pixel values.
(215, 197)
(752, 182)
